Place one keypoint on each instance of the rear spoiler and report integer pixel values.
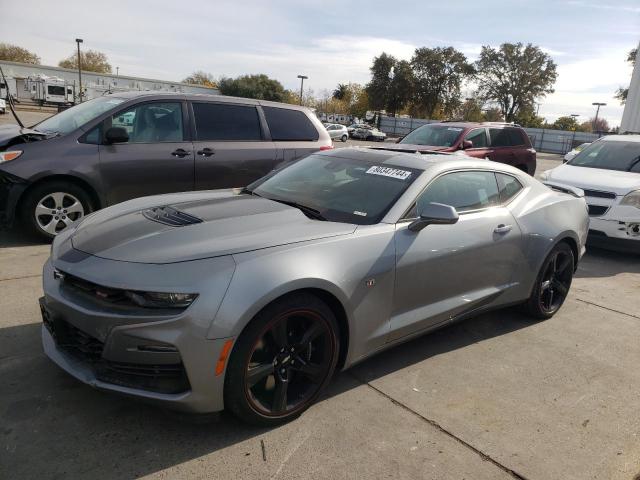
(560, 187)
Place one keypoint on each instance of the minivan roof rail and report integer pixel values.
(511, 124)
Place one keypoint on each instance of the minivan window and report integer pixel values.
(289, 125)
(219, 121)
(436, 135)
(463, 190)
(75, 117)
(515, 136)
(151, 122)
(478, 137)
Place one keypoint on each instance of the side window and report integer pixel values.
(508, 186)
(499, 137)
(478, 137)
(286, 124)
(515, 136)
(463, 190)
(221, 121)
(93, 137)
(151, 122)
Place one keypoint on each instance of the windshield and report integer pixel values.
(610, 155)
(69, 120)
(339, 189)
(435, 135)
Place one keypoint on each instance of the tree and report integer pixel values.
(493, 115)
(470, 110)
(254, 86)
(14, 53)
(438, 74)
(400, 90)
(600, 125)
(622, 93)
(91, 61)
(526, 117)
(341, 91)
(514, 75)
(565, 123)
(378, 87)
(200, 77)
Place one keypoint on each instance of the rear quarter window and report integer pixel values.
(508, 187)
(289, 125)
(218, 121)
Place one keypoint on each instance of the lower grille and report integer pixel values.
(598, 210)
(599, 194)
(168, 378)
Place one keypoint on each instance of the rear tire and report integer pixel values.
(344, 138)
(552, 283)
(292, 345)
(49, 208)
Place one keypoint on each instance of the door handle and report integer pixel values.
(206, 152)
(180, 152)
(502, 228)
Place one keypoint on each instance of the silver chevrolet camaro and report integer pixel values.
(251, 299)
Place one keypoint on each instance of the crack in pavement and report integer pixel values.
(607, 308)
(439, 427)
(19, 278)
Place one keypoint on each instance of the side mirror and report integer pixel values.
(116, 135)
(434, 213)
(467, 144)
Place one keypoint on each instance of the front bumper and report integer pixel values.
(11, 188)
(615, 234)
(162, 358)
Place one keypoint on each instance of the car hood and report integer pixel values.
(12, 134)
(229, 223)
(587, 178)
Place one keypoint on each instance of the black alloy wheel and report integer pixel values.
(277, 371)
(553, 283)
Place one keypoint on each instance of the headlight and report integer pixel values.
(161, 299)
(9, 155)
(632, 199)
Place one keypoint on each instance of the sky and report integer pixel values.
(335, 41)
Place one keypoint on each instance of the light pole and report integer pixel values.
(117, 71)
(79, 41)
(595, 121)
(302, 79)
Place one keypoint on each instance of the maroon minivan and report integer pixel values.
(500, 142)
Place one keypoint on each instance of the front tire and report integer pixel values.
(51, 207)
(552, 283)
(344, 138)
(282, 361)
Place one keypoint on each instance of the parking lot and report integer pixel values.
(497, 396)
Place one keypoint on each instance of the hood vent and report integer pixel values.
(170, 216)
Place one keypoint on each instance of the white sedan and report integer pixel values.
(608, 171)
(337, 131)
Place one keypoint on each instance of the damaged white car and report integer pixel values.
(608, 171)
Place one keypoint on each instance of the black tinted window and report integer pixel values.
(515, 136)
(219, 121)
(500, 137)
(509, 186)
(463, 190)
(478, 137)
(286, 124)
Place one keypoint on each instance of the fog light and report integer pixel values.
(162, 299)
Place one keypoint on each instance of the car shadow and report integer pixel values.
(54, 425)
(598, 262)
(18, 238)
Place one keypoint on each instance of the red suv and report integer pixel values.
(500, 142)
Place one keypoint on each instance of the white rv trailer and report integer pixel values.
(49, 90)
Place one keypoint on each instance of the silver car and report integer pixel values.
(335, 130)
(251, 299)
(369, 133)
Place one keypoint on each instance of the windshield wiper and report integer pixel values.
(633, 163)
(308, 211)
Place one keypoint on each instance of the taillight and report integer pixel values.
(326, 147)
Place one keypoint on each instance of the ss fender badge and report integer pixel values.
(371, 282)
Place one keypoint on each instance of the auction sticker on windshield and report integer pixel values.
(389, 172)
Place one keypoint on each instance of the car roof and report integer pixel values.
(462, 124)
(620, 138)
(420, 161)
(149, 95)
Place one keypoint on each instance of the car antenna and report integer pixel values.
(10, 100)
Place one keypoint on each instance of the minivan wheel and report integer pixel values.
(282, 360)
(51, 207)
(344, 138)
(552, 283)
